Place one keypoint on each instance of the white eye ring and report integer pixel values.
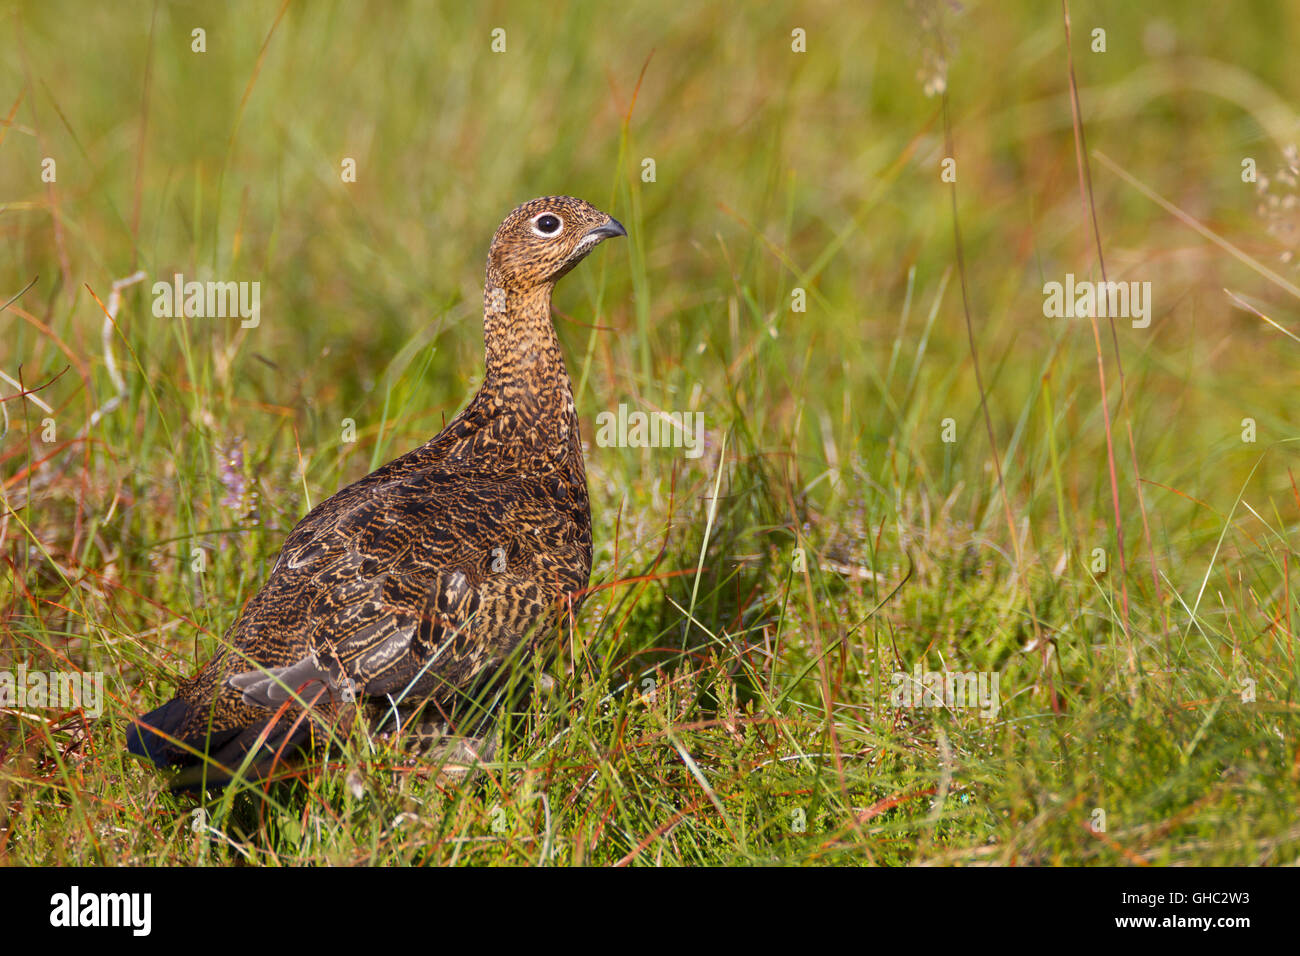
(547, 235)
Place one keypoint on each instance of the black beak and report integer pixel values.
(609, 230)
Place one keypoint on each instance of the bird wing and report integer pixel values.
(417, 585)
(373, 636)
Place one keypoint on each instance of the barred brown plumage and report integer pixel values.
(408, 589)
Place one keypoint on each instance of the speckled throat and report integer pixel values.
(525, 366)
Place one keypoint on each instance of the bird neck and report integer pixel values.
(525, 367)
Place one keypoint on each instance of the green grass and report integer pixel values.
(724, 696)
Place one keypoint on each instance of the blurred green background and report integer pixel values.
(773, 169)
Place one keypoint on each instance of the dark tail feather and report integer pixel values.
(231, 748)
(143, 740)
(225, 748)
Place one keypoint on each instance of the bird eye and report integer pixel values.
(547, 224)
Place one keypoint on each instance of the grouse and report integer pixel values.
(404, 594)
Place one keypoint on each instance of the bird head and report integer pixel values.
(543, 239)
